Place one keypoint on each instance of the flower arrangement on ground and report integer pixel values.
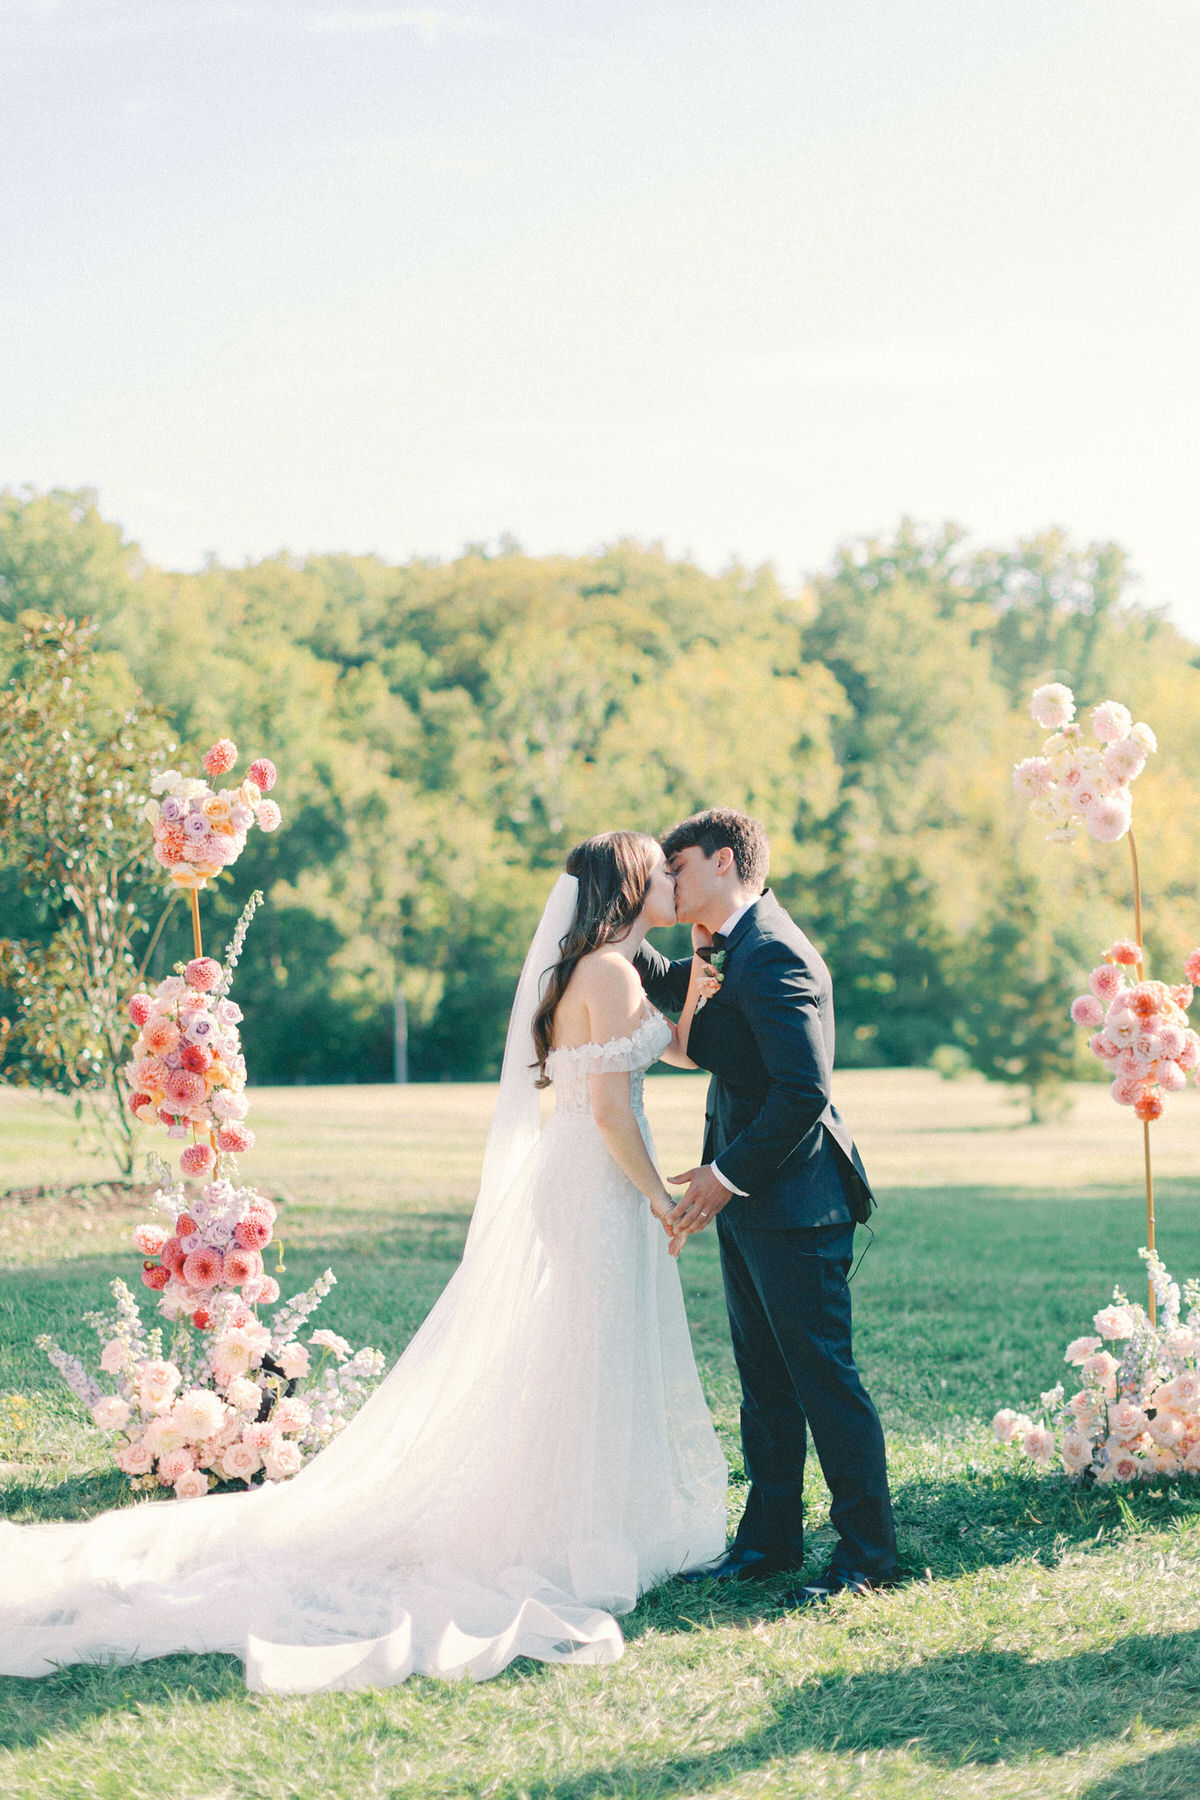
(1136, 1413)
(233, 1397)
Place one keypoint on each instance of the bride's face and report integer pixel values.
(658, 908)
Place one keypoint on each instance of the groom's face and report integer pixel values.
(698, 882)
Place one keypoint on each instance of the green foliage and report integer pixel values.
(445, 731)
(74, 779)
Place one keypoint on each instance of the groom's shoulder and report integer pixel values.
(773, 928)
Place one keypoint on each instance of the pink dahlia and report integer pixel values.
(1171, 1078)
(203, 973)
(155, 1277)
(1126, 1090)
(173, 1464)
(168, 849)
(1106, 982)
(1111, 721)
(233, 1138)
(139, 1009)
(292, 1414)
(194, 1057)
(202, 1269)
(241, 1265)
(252, 1232)
(184, 1088)
(1191, 968)
(160, 1035)
(1125, 951)
(150, 1238)
(1087, 1010)
(1102, 1046)
(197, 1159)
(268, 815)
(221, 758)
(172, 1254)
(262, 773)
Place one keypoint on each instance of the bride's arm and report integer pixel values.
(703, 982)
(613, 997)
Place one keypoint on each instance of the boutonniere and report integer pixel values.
(716, 962)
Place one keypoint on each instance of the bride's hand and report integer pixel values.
(662, 1211)
(707, 979)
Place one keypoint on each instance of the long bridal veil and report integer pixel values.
(476, 1508)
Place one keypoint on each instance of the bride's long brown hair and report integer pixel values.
(613, 872)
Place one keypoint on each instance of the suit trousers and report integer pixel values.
(789, 1310)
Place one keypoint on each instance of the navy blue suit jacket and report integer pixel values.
(767, 1039)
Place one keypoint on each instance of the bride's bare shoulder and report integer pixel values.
(606, 974)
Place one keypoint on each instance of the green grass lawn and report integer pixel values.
(1048, 1643)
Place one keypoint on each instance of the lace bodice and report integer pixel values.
(570, 1067)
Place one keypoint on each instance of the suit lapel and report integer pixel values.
(754, 914)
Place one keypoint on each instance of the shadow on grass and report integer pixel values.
(1169, 1775)
(950, 1528)
(71, 1699)
(973, 1710)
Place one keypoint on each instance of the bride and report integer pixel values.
(540, 1455)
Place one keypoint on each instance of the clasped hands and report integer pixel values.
(703, 1200)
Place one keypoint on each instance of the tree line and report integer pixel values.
(445, 730)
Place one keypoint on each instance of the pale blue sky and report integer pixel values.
(749, 277)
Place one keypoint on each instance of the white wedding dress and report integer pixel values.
(540, 1455)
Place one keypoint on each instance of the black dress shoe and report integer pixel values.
(738, 1564)
(834, 1581)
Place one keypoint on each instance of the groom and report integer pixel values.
(785, 1183)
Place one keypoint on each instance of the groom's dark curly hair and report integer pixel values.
(720, 827)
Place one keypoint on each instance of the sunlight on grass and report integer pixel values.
(1046, 1645)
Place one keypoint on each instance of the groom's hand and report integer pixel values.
(703, 1201)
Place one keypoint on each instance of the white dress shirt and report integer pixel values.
(726, 928)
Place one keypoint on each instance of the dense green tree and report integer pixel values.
(445, 730)
(74, 779)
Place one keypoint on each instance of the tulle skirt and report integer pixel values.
(540, 1455)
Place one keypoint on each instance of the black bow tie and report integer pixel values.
(719, 940)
